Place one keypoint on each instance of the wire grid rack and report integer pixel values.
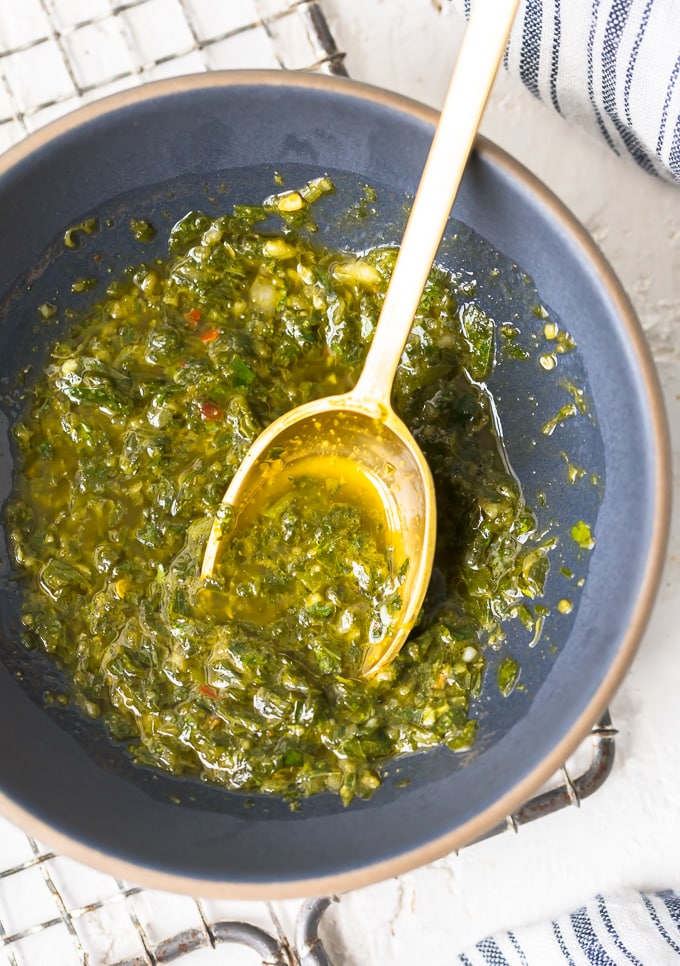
(58, 54)
(54, 56)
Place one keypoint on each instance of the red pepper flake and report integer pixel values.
(209, 410)
(192, 317)
(208, 335)
(207, 690)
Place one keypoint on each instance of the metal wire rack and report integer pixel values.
(57, 912)
(57, 54)
(54, 56)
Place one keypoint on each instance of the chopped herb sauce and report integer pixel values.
(315, 563)
(130, 438)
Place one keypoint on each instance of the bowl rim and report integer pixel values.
(490, 817)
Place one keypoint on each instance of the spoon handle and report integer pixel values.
(480, 54)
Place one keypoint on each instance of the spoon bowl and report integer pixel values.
(364, 446)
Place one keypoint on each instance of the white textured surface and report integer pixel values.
(626, 835)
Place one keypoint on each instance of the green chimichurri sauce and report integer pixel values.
(132, 435)
(315, 563)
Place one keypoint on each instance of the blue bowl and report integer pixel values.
(211, 140)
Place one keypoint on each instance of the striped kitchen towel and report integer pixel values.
(631, 928)
(610, 66)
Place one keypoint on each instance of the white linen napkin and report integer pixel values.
(610, 66)
(631, 928)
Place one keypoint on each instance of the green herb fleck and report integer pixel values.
(508, 675)
(86, 227)
(141, 230)
(581, 534)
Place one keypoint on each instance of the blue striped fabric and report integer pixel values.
(610, 66)
(627, 929)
